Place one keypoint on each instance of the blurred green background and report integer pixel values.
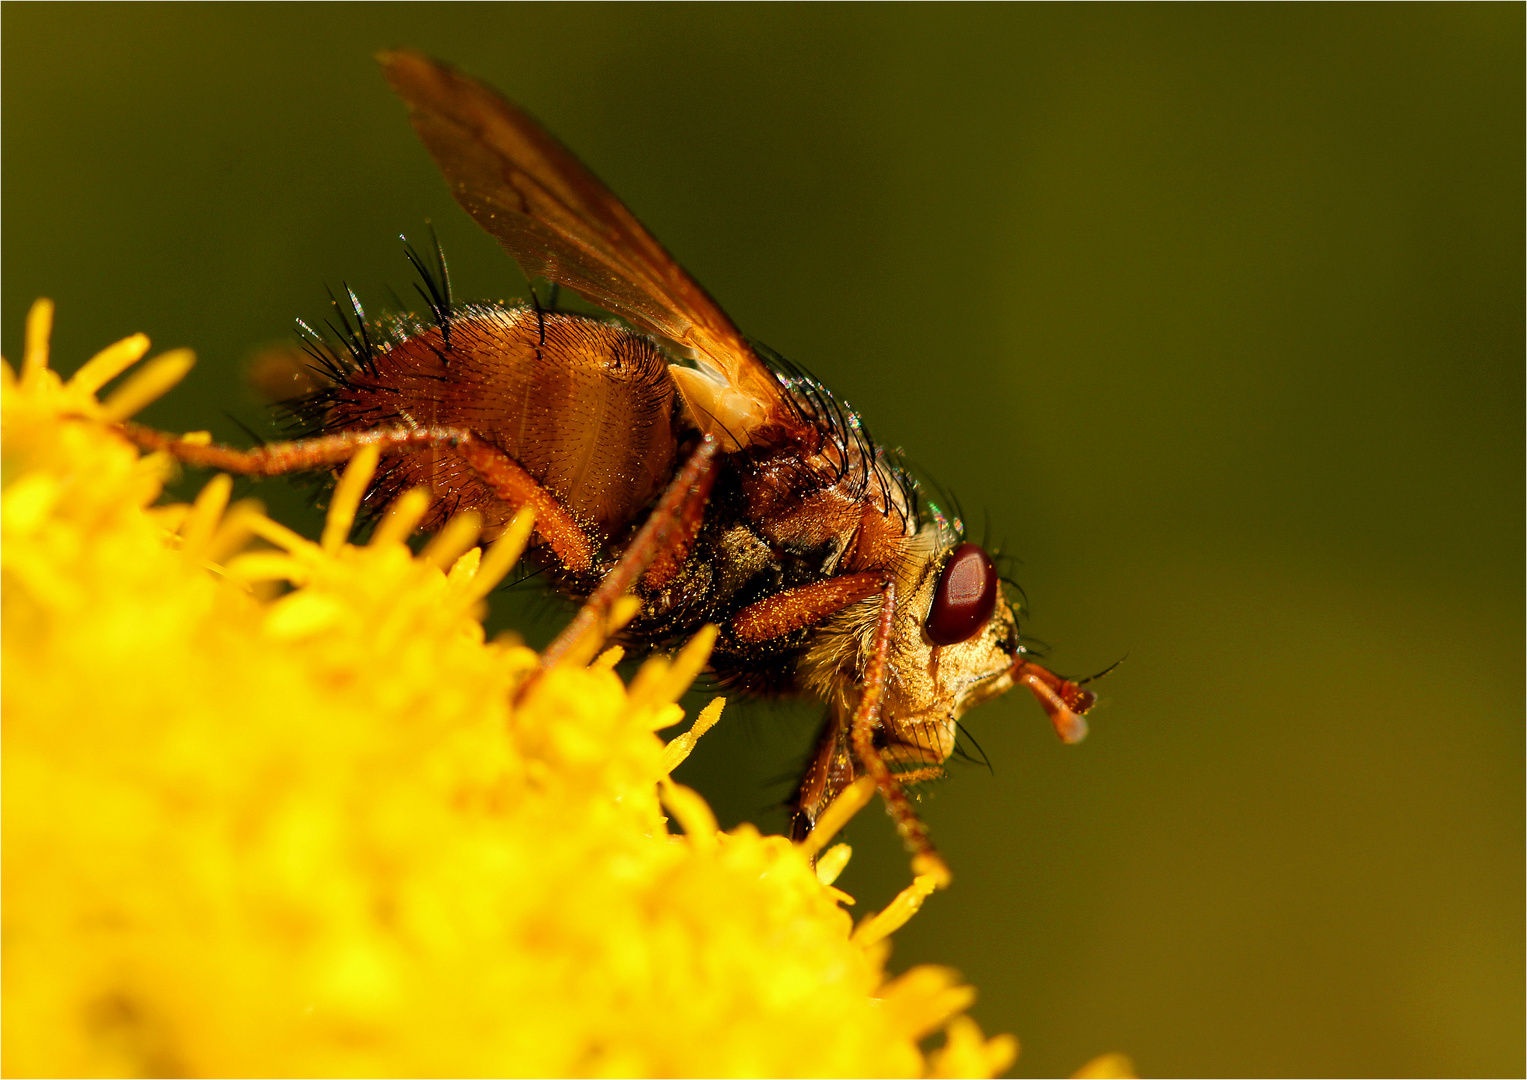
(1216, 313)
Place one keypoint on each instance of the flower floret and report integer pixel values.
(270, 807)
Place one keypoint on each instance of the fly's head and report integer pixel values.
(955, 645)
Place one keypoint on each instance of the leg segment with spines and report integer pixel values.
(504, 476)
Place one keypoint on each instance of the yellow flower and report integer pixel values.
(268, 810)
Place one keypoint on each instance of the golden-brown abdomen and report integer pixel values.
(584, 406)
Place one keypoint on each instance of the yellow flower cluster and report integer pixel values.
(268, 809)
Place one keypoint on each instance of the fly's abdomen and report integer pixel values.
(584, 406)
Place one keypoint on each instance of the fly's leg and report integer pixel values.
(512, 484)
(920, 776)
(504, 476)
(799, 608)
(831, 770)
(831, 767)
(274, 459)
(666, 523)
(925, 858)
(671, 553)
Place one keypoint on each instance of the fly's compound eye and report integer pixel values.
(965, 597)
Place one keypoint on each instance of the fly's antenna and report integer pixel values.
(436, 282)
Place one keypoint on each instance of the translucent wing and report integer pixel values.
(561, 223)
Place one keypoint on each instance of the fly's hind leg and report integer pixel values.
(507, 479)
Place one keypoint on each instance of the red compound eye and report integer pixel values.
(965, 598)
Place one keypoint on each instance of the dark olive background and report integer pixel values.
(1214, 313)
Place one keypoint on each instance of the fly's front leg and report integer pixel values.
(925, 858)
(507, 479)
(832, 767)
(665, 526)
(832, 770)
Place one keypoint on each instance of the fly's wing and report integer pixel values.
(561, 223)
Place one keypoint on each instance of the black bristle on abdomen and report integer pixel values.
(435, 284)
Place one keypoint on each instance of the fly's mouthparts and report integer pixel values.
(1063, 700)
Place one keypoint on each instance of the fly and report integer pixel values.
(668, 456)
